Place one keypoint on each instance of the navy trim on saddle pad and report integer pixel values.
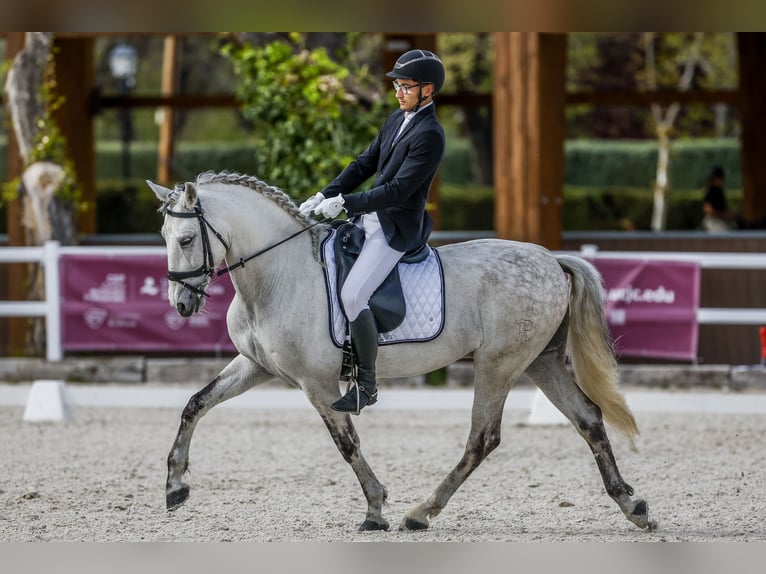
(423, 287)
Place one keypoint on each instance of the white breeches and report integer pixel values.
(375, 262)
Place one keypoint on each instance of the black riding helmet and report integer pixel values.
(421, 66)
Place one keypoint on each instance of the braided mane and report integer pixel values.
(273, 193)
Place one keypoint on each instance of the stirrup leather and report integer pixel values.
(348, 365)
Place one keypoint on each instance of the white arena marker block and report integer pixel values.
(544, 413)
(47, 401)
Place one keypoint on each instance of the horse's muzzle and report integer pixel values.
(189, 302)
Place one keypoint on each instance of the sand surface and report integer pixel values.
(276, 476)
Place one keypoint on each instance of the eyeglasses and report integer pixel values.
(405, 89)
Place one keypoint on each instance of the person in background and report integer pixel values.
(716, 213)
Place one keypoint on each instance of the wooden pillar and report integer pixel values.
(528, 107)
(752, 90)
(75, 77)
(167, 131)
(394, 45)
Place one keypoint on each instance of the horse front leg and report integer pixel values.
(347, 440)
(237, 377)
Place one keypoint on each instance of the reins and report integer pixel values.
(207, 267)
(242, 260)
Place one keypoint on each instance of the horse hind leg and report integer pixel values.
(550, 374)
(483, 438)
(238, 376)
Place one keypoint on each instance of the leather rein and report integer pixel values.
(208, 267)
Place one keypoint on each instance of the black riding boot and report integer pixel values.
(364, 340)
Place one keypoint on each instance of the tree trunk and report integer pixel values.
(22, 87)
(44, 216)
(664, 123)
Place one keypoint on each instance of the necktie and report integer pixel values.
(407, 117)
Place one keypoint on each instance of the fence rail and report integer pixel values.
(49, 254)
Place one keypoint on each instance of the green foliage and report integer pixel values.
(466, 206)
(616, 62)
(307, 125)
(471, 207)
(598, 163)
(468, 61)
(608, 184)
(130, 208)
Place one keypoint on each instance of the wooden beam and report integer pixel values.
(167, 131)
(752, 83)
(75, 78)
(528, 108)
(552, 122)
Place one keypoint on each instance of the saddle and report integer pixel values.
(387, 302)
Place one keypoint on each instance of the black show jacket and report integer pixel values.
(405, 171)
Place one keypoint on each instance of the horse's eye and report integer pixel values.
(185, 241)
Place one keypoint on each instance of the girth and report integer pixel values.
(387, 302)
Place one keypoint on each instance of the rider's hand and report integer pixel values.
(330, 207)
(310, 204)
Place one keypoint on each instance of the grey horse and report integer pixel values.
(516, 308)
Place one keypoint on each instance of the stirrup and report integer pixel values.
(356, 389)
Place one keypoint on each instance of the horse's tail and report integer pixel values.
(590, 345)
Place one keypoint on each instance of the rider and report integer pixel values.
(406, 155)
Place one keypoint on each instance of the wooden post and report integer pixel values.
(167, 131)
(752, 86)
(528, 106)
(75, 79)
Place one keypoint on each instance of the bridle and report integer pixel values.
(208, 267)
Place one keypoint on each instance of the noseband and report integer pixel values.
(208, 267)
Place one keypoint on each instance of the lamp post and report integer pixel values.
(123, 61)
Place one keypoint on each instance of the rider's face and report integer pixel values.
(407, 92)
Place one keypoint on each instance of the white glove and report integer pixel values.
(308, 206)
(330, 207)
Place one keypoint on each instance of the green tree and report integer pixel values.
(616, 62)
(308, 121)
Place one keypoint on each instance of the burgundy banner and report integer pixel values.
(652, 307)
(120, 303)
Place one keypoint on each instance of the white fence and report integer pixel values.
(49, 254)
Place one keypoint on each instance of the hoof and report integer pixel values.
(640, 515)
(412, 524)
(372, 525)
(176, 498)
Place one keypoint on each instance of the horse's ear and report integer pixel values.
(161, 192)
(190, 194)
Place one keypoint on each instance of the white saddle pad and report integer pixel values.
(423, 287)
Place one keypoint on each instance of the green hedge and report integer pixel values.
(607, 183)
(585, 209)
(588, 163)
(133, 209)
(633, 163)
